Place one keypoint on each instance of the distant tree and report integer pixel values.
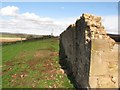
(30, 37)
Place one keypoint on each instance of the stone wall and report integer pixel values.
(88, 55)
(115, 37)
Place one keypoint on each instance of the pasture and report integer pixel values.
(33, 64)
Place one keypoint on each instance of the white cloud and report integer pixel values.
(28, 15)
(9, 11)
(33, 24)
(111, 24)
(32, 16)
(31, 27)
(29, 23)
(66, 21)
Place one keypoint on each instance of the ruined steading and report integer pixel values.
(88, 55)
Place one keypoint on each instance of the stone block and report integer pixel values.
(93, 82)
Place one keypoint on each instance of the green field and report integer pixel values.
(33, 64)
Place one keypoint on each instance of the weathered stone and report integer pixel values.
(94, 82)
(88, 55)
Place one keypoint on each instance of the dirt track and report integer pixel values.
(5, 39)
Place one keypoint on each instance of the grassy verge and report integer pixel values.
(33, 65)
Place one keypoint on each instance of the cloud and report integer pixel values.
(9, 11)
(111, 23)
(29, 23)
(30, 27)
(32, 16)
(34, 24)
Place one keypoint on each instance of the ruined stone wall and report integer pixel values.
(87, 54)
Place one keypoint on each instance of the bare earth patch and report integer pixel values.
(34, 68)
(4, 39)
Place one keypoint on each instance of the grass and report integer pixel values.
(33, 65)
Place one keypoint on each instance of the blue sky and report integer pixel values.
(43, 17)
(66, 9)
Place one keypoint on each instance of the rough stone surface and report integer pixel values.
(88, 54)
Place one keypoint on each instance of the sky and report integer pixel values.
(44, 18)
